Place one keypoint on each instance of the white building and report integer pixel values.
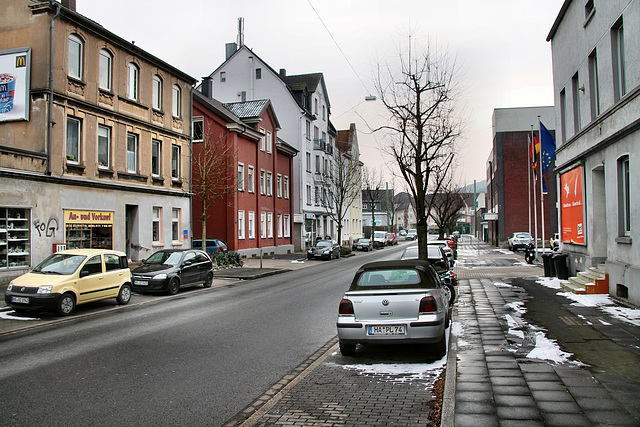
(596, 72)
(303, 108)
(347, 143)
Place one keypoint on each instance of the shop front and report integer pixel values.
(88, 229)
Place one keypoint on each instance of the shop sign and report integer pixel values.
(572, 206)
(88, 217)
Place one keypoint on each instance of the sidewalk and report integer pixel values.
(492, 376)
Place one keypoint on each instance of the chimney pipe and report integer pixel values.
(69, 4)
(283, 72)
(207, 87)
(230, 49)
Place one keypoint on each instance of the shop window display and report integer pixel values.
(14, 238)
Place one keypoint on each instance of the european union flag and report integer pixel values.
(547, 147)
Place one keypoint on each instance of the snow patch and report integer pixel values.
(547, 349)
(550, 282)
(10, 315)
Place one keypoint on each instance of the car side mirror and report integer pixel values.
(186, 263)
(84, 273)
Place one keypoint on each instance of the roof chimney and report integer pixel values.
(207, 87)
(230, 49)
(240, 31)
(283, 72)
(69, 4)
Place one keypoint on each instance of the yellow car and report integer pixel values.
(67, 278)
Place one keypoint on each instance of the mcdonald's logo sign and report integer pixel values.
(21, 61)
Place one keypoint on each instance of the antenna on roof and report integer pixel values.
(240, 32)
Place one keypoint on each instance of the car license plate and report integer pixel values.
(387, 330)
(22, 300)
(141, 282)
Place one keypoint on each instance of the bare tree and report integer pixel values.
(371, 185)
(422, 127)
(213, 170)
(342, 180)
(446, 205)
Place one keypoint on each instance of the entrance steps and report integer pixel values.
(593, 281)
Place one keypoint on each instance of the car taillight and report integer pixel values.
(428, 305)
(219, 249)
(451, 243)
(346, 308)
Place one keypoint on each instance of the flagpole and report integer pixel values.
(541, 187)
(529, 175)
(535, 203)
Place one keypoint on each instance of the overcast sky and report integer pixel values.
(500, 47)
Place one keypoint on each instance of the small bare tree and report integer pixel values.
(422, 128)
(213, 171)
(342, 180)
(371, 185)
(446, 205)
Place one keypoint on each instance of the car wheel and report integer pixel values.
(66, 304)
(347, 349)
(309, 257)
(440, 348)
(338, 255)
(174, 286)
(209, 281)
(124, 296)
(451, 293)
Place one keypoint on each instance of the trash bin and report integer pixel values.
(549, 265)
(560, 261)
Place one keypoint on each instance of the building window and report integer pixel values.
(133, 81)
(104, 147)
(317, 196)
(156, 222)
(252, 225)
(223, 76)
(308, 194)
(594, 85)
(175, 162)
(240, 176)
(619, 74)
(315, 110)
(575, 87)
(241, 225)
(177, 102)
(308, 130)
(175, 224)
(132, 152)
(258, 73)
(262, 183)
(309, 162)
(105, 70)
(324, 113)
(318, 164)
(270, 224)
(73, 140)
(269, 142)
(262, 139)
(287, 226)
(269, 183)
(280, 226)
(624, 197)
(263, 225)
(279, 186)
(197, 129)
(156, 157)
(157, 92)
(563, 114)
(75, 56)
(286, 187)
(250, 180)
(588, 9)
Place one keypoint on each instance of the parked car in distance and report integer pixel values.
(68, 278)
(362, 244)
(444, 244)
(412, 234)
(439, 260)
(394, 302)
(170, 269)
(391, 239)
(212, 245)
(379, 238)
(519, 240)
(402, 232)
(324, 249)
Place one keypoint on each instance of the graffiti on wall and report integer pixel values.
(46, 229)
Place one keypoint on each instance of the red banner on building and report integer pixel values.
(572, 206)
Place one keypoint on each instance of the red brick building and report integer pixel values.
(508, 189)
(254, 211)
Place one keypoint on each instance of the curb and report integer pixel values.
(447, 417)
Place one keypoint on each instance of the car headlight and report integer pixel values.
(160, 276)
(45, 289)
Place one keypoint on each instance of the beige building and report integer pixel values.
(94, 139)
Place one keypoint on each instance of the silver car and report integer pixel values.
(394, 302)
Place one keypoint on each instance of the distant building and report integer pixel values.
(596, 73)
(347, 144)
(509, 197)
(95, 142)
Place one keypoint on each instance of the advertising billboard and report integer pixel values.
(572, 206)
(15, 67)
